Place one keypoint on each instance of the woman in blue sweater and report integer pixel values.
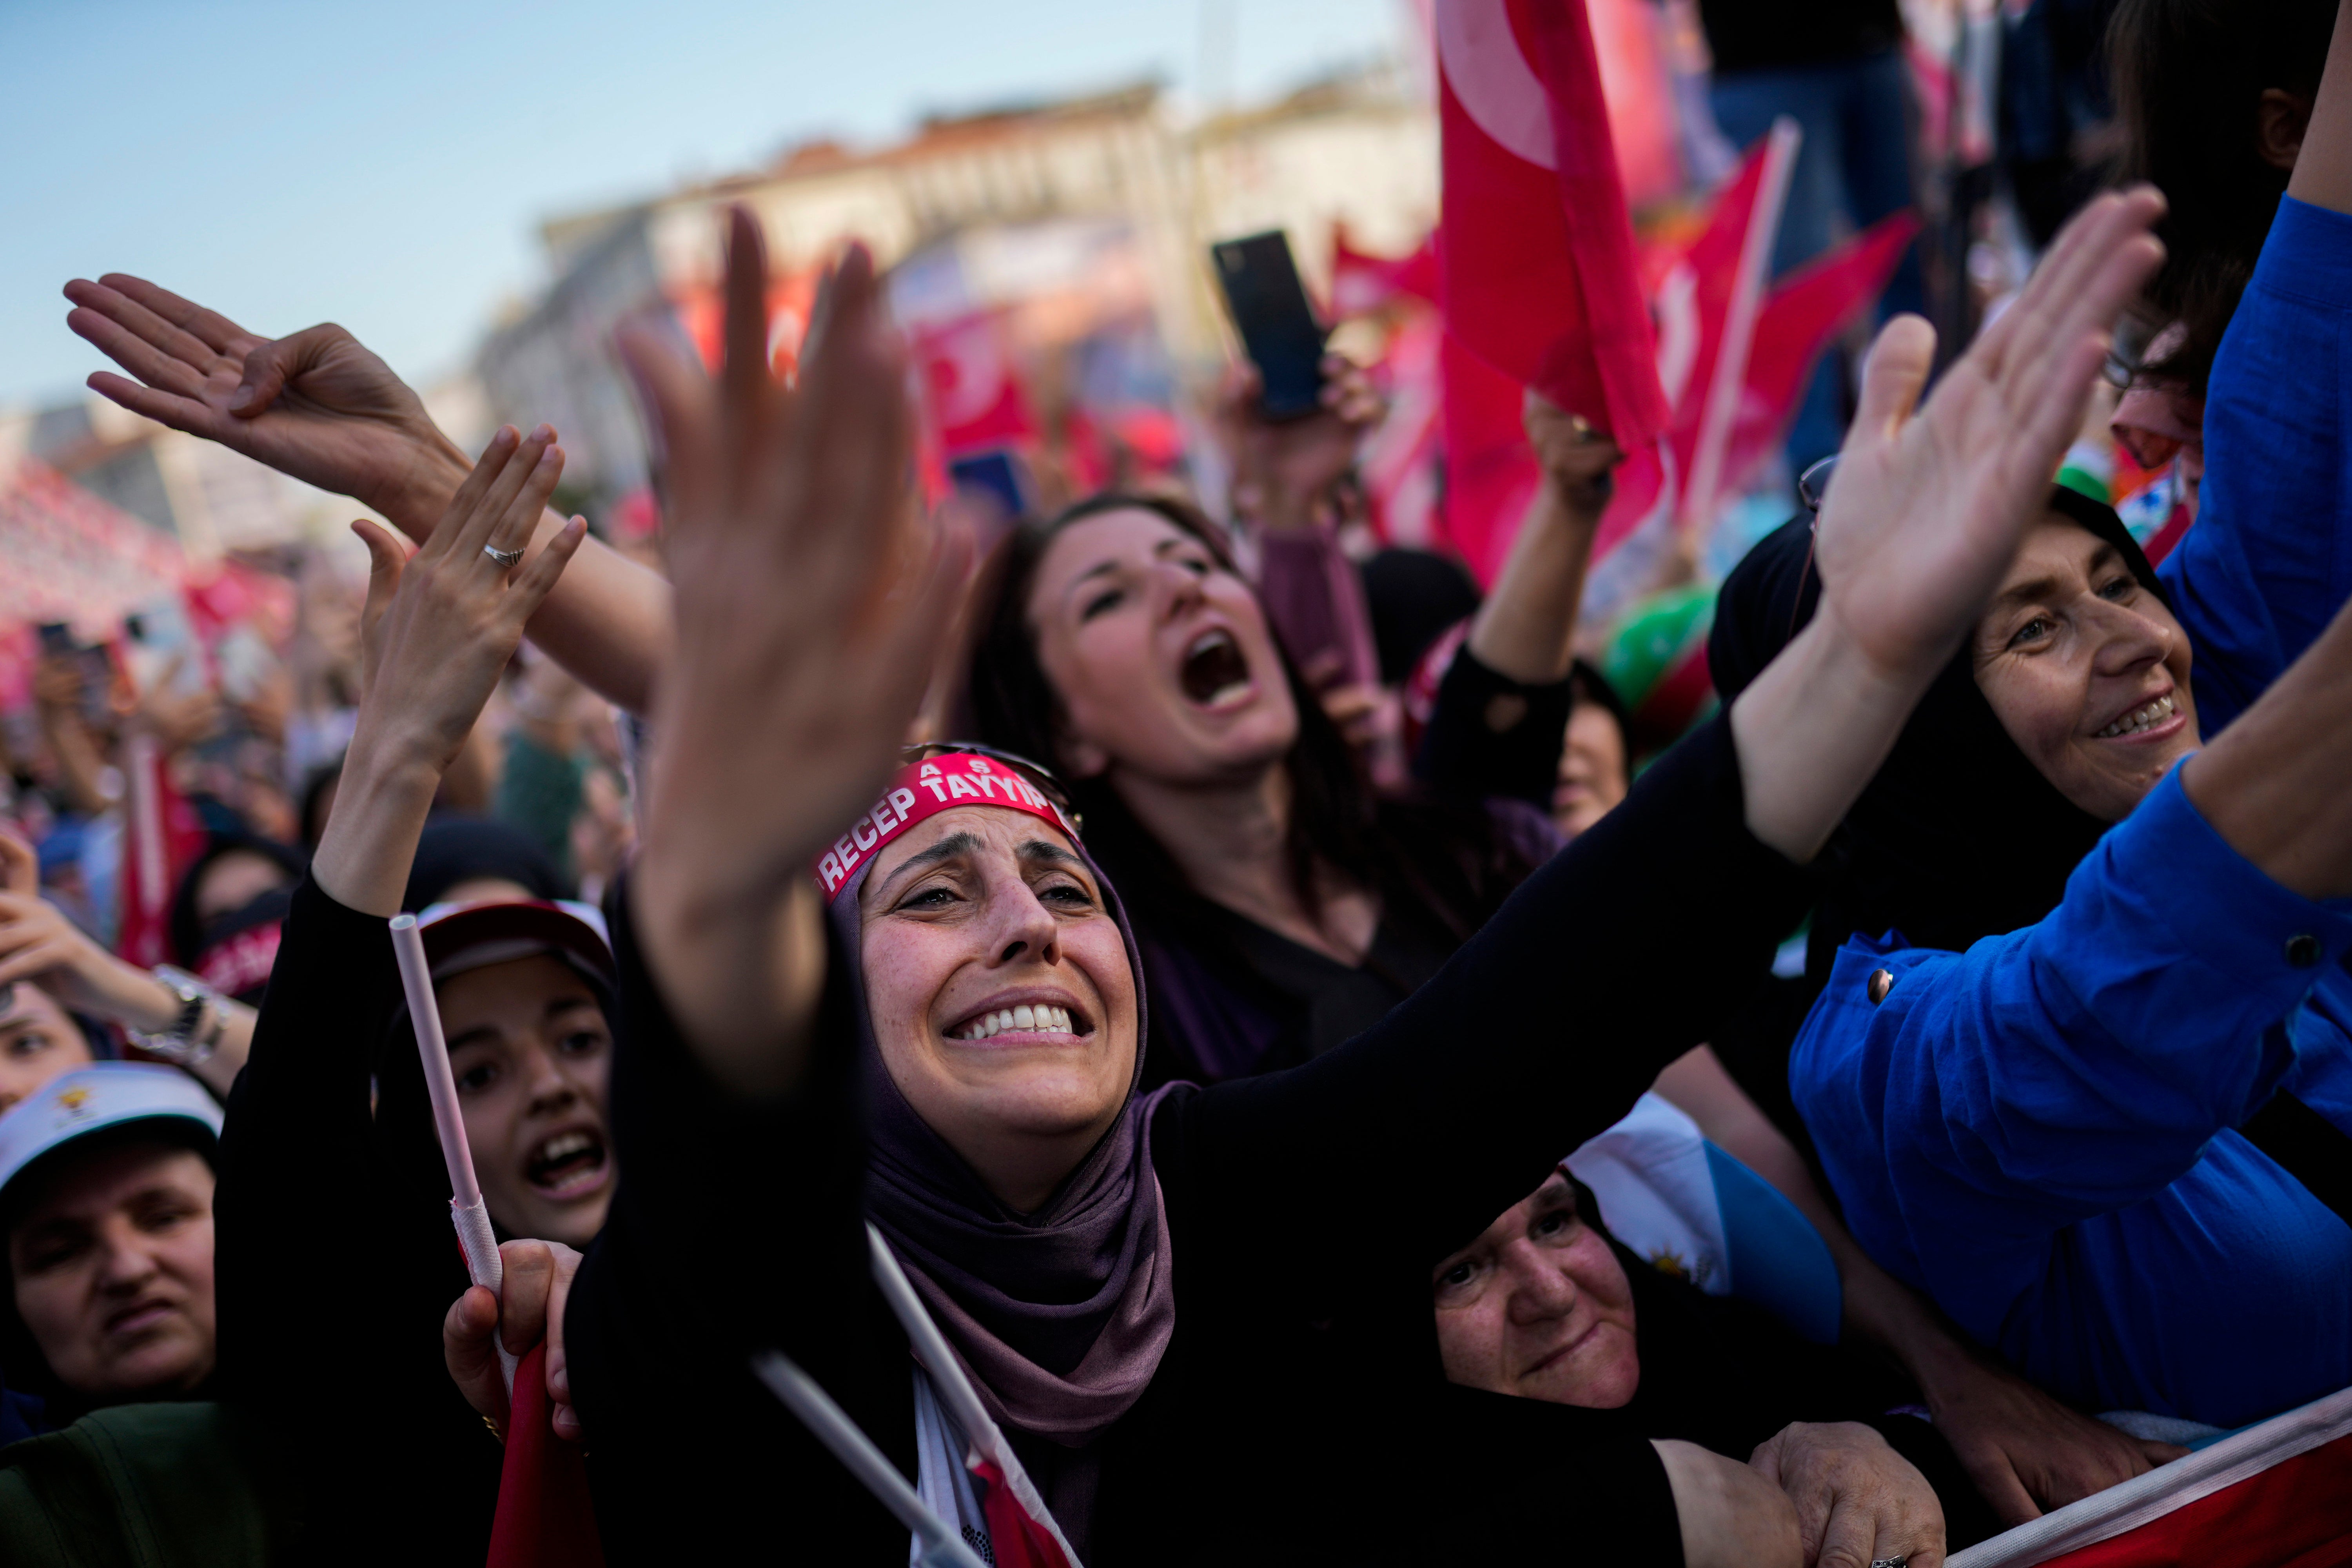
(2113, 1144)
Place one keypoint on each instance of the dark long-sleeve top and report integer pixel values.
(1231, 997)
(1300, 1411)
(335, 1264)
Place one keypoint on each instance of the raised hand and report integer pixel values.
(1924, 515)
(315, 404)
(812, 603)
(1283, 469)
(435, 634)
(529, 1307)
(1926, 510)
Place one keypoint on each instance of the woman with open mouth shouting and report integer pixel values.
(1200, 1315)
(328, 1147)
(1285, 905)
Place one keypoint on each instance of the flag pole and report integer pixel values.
(942, 1547)
(1730, 379)
(467, 1212)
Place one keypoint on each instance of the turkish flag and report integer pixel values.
(969, 391)
(544, 1517)
(1709, 304)
(161, 836)
(1538, 271)
(1363, 282)
(1401, 460)
(1805, 312)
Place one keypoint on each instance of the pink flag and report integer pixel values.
(969, 391)
(1538, 271)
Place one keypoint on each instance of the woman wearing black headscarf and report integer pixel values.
(2108, 1139)
(1203, 1314)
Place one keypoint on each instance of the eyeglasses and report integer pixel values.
(1814, 484)
(1037, 773)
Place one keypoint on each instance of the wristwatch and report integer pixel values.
(200, 1009)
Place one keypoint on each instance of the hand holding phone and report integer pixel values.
(1276, 322)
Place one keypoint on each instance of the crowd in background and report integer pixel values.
(1832, 1113)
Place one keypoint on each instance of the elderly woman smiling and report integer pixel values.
(1188, 1310)
(2109, 1137)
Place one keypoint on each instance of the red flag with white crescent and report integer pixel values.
(970, 392)
(1538, 270)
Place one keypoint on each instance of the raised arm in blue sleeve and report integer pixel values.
(2270, 560)
(2036, 1132)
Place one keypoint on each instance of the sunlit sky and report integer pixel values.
(386, 166)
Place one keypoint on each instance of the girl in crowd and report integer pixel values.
(2045, 1137)
(329, 1132)
(106, 1208)
(1173, 1300)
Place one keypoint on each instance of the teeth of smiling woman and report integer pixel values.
(1041, 1020)
(2139, 719)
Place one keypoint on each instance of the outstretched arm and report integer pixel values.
(2257, 578)
(2323, 169)
(1527, 629)
(319, 406)
(813, 601)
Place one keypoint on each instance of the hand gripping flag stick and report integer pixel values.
(942, 1547)
(474, 1238)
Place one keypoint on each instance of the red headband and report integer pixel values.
(925, 789)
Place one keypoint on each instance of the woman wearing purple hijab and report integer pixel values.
(1200, 1316)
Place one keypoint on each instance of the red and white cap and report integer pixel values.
(925, 789)
(459, 937)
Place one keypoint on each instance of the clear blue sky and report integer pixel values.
(385, 166)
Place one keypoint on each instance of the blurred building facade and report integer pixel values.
(1087, 219)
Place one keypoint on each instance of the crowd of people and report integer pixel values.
(1914, 1099)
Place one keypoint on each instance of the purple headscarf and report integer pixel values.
(1062, 1315)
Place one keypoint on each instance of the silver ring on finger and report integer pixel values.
(1902, 1562)
(506, 558)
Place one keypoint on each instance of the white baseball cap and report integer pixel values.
(74, 1105)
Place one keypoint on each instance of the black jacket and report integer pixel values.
(1300, 1413)
(335, 1263)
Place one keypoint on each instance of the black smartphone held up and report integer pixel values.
(1276, 322)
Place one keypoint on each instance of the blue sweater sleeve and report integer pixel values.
(2065, 1071)
(2270, 557)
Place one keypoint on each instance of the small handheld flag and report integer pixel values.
(466, 1211)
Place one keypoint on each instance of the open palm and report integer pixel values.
(1926, 511)
(812, 598)
(318, 405)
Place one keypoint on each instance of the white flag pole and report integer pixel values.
(942, 1546)
(466, 1212)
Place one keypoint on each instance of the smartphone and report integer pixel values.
(1277, 324)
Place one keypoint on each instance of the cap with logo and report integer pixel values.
(89, 1100)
